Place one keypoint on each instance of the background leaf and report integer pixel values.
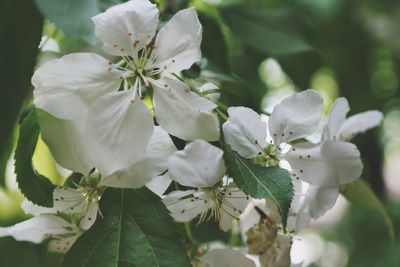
(266, 30)
(261, 182)
(34, 186)
(73, 17)
(361, 196)
(136, 230)
(20, 33)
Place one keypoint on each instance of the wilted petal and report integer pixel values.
(327, 164)
(65, 86)
(154, 163)
(183, 113)
(178, 42)
(120, 130)
(226, 258)
(233, 204)
(198, 165)
(245, 132)
(295, 117)
(66, 142)
(359, 123)
(126, 25)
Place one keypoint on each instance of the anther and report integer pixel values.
(122, 50)
(129, 33)
(300, 157)
(115, 45)
(308, 156)
(301, 171)
(182, 211)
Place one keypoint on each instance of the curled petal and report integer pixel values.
(154, 163)
(119, 129)
(64, 87)
(295, 117)
(66, 142)
(359, 123)
(178, 42)
(245, 132)
(183, 113)
(337, 116)
(198, 165)
(327, 164)
(126, 28)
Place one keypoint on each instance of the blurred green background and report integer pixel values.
(257, 52)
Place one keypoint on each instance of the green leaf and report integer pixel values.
(214, 46)
(34, 186)
(136, 230)
(261, 182)
(73, 17)
(19, 43)
(360, 194)
(272, 31)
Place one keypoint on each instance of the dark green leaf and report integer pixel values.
(73, 17)
(18, 49)
(136, 230)
(361, 195)
(261, 182)
(213, 46)
(269, 31)
(34, 186)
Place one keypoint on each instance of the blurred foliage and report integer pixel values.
(339, 47)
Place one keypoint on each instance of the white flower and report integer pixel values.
(225, 258)
(339, 129)
(328, 163)
(106, 98)
(201, 165)
(72, 150)
(61, 233)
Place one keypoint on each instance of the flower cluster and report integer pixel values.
(110, 123)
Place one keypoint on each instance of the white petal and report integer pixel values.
(183, 113)
(198, 165)
(38, 228)
(226, 258)
(295, 117)
(90, 215)
(64, 87)
(125, 24)
(120, 130)
(66, 142)
(159, 184)
(245, 132)
(320, 200)
(154, 163)
(68, 200)
(234, 202)
(359, 123)
(337, 116)
(178, 42)
(184, 210)
(35, 210)
(326, 164)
